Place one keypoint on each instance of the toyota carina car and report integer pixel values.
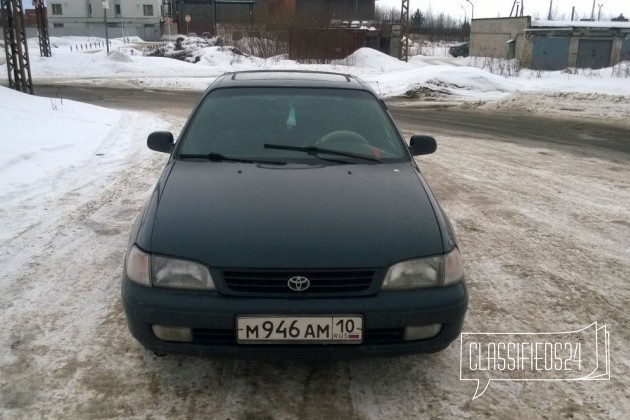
(291, 220)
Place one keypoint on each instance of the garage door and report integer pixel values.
(625, 50)
(550, 53)
(593, 53)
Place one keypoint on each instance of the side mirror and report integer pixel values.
(422, 145)
(161, 141)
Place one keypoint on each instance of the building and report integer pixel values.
(551, 45)
(265, 14)
(144, 18)
(87, 18)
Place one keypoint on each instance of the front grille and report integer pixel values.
(321, 281)
(228, 337)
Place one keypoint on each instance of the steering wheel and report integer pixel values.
(341, 137)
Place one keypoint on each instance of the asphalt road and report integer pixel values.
(523, 129)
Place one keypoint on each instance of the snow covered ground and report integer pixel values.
(544, 232)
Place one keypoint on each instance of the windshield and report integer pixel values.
(255, 124)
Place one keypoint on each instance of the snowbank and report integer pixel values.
(51, 146)
(65, 135)
(224, 57)
(369, 58)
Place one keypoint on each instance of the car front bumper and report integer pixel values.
(212, 318)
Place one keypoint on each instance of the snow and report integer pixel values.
(432, 75)
(578, 24)
(39, 152)
(45, 159)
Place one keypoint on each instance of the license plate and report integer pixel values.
(284, 329)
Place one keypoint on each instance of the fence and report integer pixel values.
(324, 44)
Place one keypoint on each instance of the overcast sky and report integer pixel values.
(494, 8)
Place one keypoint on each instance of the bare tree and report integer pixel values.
(386, 13)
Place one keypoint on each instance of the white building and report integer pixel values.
(86, 18)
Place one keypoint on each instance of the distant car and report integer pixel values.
(291, 220)
(206, 35)
(460, 50)
(191, 34)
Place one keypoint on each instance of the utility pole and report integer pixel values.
(515, 5)
(572, 13)
(404, 31)
(550, 9)
(214, 17)
(16, 49)
(105, 7)
(593, 11)
(599, 12)
(42, 28)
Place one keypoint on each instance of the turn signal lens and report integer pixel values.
(453, 267)
(137, 266)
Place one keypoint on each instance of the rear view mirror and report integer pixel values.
(422, 145)
(161, 141)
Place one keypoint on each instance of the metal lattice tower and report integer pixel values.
(18, 64)
(42, 28)
(515, 7)
(404, 31)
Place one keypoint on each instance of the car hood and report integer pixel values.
(255, 216)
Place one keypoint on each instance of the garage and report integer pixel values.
(625, 50)
(593, 53)
(550, 53)
(551, 45)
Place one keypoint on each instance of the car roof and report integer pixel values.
(289, 78)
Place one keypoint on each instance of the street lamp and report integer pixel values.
(465, 13)
(472, 14)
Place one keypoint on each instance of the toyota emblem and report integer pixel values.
(298, 283)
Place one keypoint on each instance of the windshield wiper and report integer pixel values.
(218, 157)
(314, 150)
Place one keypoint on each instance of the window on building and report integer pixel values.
(117, 9)
(56, 9)
(57, 25)
(147, 9)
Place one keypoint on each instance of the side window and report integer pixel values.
(56, 9)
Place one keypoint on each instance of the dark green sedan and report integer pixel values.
(291, 220)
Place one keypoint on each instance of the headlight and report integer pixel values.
(180, 274)
(425, 272)
(150, 270)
